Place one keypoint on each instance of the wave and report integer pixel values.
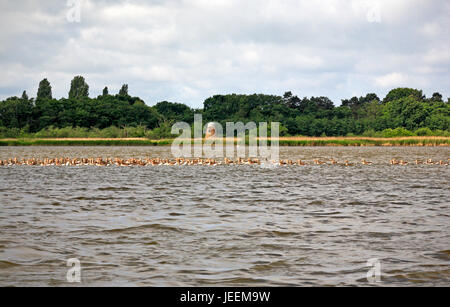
(145, 227)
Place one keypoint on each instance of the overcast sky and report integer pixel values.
(188, 50)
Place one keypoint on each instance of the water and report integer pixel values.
(226, 225)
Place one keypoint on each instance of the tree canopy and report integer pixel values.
(78, 88)
(44, 90)
(314, 116)
(124, 90)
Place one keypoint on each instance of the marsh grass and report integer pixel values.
(283, 141)
(84, 142)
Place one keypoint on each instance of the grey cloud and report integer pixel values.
(186, 51)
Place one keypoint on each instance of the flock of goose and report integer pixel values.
(199, 161)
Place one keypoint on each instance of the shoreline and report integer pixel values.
(283, 141)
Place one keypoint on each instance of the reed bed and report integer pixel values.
(283, 141)
(84, 142)
(366, 142)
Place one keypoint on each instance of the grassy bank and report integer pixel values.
(83, 142)
(411, 141)
(283, 141)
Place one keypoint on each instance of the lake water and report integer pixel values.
(226, 225)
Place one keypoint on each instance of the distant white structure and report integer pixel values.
(210, 130)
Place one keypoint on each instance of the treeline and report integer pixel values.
(401, 108)
(403, 111)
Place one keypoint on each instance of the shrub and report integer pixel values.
(397, 132)
(424, 132)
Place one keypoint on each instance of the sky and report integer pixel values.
(188, 50)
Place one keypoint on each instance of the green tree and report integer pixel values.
(323, 102)
(78, 88)
(405, 112)
(291, 101)
(24, 96)
(355, 103)
(398, 93)
(315, 116)
(173, 112)
(437, 97)
(124, 90)
(16, 112)
(44, 90)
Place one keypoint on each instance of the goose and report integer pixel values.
(184, 161)
(394, 162)
(364, 162)
(228, 161)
